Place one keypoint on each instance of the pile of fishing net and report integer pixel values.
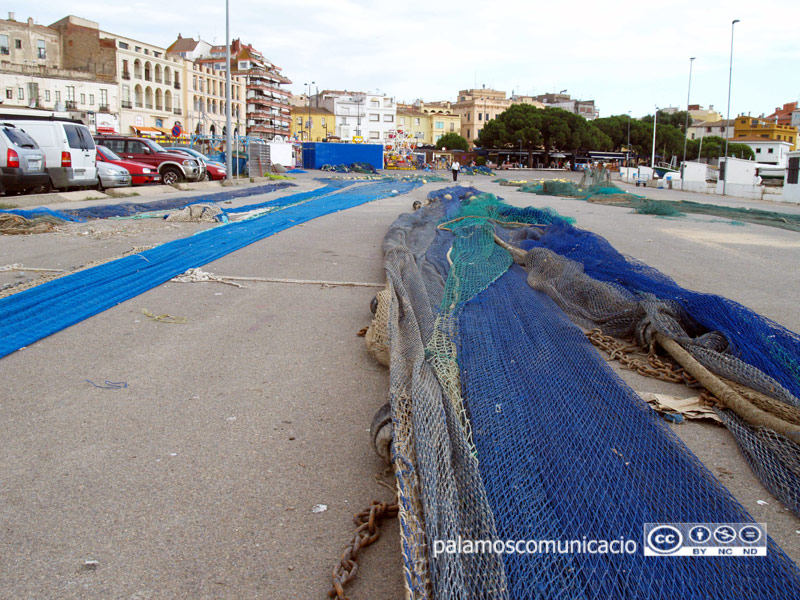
(15, 224)
(478, 170)
(509, 425)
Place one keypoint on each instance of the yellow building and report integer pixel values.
(758, 128)
(476, 107)
(323, 124)
(412, 121)
(442, 119)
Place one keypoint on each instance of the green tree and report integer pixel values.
(452, 141)
(550, 128)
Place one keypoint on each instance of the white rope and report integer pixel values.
(19, 267)
(197, 275)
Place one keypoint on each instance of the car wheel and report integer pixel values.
(171, 176)
(208, 176)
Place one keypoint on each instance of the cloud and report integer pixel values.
(624, 55)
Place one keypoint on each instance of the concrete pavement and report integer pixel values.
(198, 479)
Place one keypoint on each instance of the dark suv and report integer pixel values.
(173, 166)
(22, 163)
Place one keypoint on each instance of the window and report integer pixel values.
(758, 150)
(137, 48)
(104, 97)
(83, 98)
(322, 121)
(452, 126)
(18, 44)
(770, 150)
(300, 121)
(439, 124)
(374, 135)
(70, 93)
(41, 53)
(388, 118)
(374, 117)
(387, 102)
(468, 134)
(416, 121)
(345, 110)
(480, 116)
(374, 103)
(146, 51)
(793, 169)
(123, 45)
(4, 45)
(21, 93)
(91, 99)
(9, 93)
(47, 95)
(401, 121)
(58, 96)
(156, 54)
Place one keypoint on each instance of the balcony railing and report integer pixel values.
(126, 74)
(177, 111)
(126, 104)
(148, 105)
(71, 104)
(103, 108)
(158, 79)
(177, 85)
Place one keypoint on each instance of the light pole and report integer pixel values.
(628, 151)
(359, 100)
(686, 128)
(228, 149)
(728, 118)
(308, 98)
(520, 151)
(655, 124)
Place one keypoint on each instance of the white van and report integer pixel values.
(68, 147)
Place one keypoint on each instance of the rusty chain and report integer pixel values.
(368, 523)
(655, 367)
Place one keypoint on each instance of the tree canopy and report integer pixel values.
(714, 147)
(452, 141)
(551, 128)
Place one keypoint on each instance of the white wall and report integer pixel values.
(740, 179)
(281, 153)
(791, 191)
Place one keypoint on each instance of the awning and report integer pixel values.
(146, 130)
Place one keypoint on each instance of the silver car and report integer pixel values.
(112, 176)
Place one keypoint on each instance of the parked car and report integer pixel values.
(112, 176)
(172, 166)
(68, 149)
(215, 170)
(22, 162)
(140, 172)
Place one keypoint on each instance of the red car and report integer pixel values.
(214, 172)
(140, 172)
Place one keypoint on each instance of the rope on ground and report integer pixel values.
(198, 275)
(20, 267)
(726, 394)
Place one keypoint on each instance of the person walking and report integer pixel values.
(456, 168)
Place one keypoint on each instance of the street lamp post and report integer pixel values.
(686, 128)
(520, 151)
(628, 151)
(655, 124)
(308, 98)
(728, 118)
(228, 149)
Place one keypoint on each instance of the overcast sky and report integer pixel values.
(624, 55)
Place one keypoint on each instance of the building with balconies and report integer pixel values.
(750, 128)
(367, 117)
(150, 83)
(204, 99)
(476, 107)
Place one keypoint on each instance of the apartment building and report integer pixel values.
(746, 127)
(360, 116)
(584, 108)
(476, 107)
(40, 68)
(204, 100)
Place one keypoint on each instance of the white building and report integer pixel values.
(150, 85)
(370, 117)
(771, 152)
(704, 129)
(791, 181)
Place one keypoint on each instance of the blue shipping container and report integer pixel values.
(316, 154)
